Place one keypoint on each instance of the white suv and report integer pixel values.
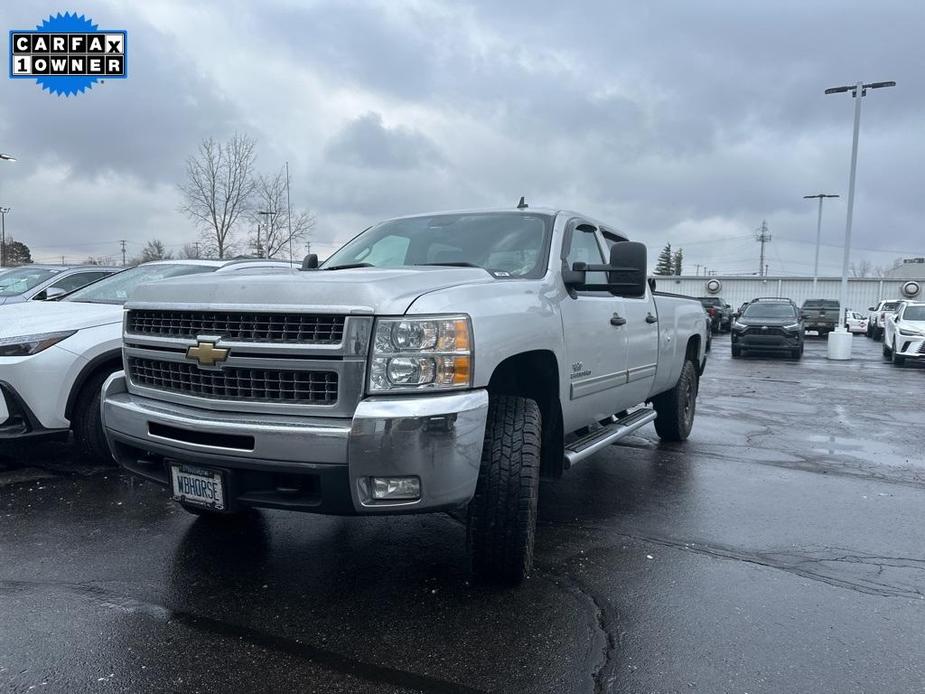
(876, 318)
(904, 335)
(55, 355)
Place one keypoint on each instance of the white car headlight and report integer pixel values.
(414, 354)
(910, 332)
(31, 344)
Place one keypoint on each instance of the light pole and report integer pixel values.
(858, 92)
(3, 211)
(268, 216)
(821, 197)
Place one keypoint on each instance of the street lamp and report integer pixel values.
(821, 196)
(3, 211)
(858, 91)
(269, 220)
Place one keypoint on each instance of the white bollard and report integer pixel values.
(839, 344)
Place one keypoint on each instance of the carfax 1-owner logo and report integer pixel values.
(67, 54)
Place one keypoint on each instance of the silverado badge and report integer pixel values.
(206, 353)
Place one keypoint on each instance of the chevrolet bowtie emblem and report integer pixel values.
(206, 353)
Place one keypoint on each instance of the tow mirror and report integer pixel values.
(310, 262)
(626, 272)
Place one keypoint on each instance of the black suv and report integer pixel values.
(719, 311)
(769, 325)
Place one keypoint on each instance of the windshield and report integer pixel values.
(117, 288)
(505, 243)
(914, 313)
(887, 306)
(711, 301)
(23, 279)
(774, 311)
(820, 303)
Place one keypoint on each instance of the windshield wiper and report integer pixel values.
(457, 263)
(348, 266)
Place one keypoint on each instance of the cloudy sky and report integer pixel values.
(677, 121)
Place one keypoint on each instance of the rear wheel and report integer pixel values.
(676, 408)
(87, 423)
(501, 521)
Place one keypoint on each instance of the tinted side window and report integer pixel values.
(78, 280)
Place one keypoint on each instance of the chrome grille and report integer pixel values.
(233, 383)
(238, 326)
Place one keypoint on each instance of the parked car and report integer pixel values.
(904, 335)
(55, 355)
(876, 319)
(769, 325)
(435, 362)
(40, 282)
(821, 315)
(856, 322)
(719, 311)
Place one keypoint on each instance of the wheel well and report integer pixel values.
(535, 375)
(104, 363)
(693, 353)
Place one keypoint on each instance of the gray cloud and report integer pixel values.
(688, 122)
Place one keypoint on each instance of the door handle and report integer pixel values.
(617, 320)
(651, 319)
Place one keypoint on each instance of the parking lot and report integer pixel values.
(780, 549)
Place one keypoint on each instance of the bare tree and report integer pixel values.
(273, 234)
(153, 250)
(218, 188)
(191, 251)
(862, 268)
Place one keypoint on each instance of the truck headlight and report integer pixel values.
(793, 327)
(31, 344)
(736, 325)
(414, 354)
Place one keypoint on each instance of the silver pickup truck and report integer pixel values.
(439, 362)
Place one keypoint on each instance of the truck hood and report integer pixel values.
(35, 317)
(382, 291)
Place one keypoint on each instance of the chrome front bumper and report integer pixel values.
(436, 438)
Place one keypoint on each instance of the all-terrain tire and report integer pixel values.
(87, 424)
(501, 521)
(676, 408)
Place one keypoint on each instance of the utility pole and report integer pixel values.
(268, 217)
(288, 212)
(821, 197)
(196, 244)
(122, 241)
(763, 236)
(697, 265)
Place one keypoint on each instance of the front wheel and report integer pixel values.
(796, 353)
(736, 352)
(87, 424)
(501, 521)
(887, 352)
(676, 407)
(898, 360)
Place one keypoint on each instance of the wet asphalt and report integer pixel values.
(780, 549)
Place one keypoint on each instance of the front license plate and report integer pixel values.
(200, 486)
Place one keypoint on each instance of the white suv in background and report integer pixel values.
(55, 355)
(904, 336)
(876, 319)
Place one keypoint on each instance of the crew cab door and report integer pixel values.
(595, 336)
(641, 331)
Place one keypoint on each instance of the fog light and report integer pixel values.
(405, 488)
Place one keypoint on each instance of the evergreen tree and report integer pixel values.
(678, 262)
(665, 261)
